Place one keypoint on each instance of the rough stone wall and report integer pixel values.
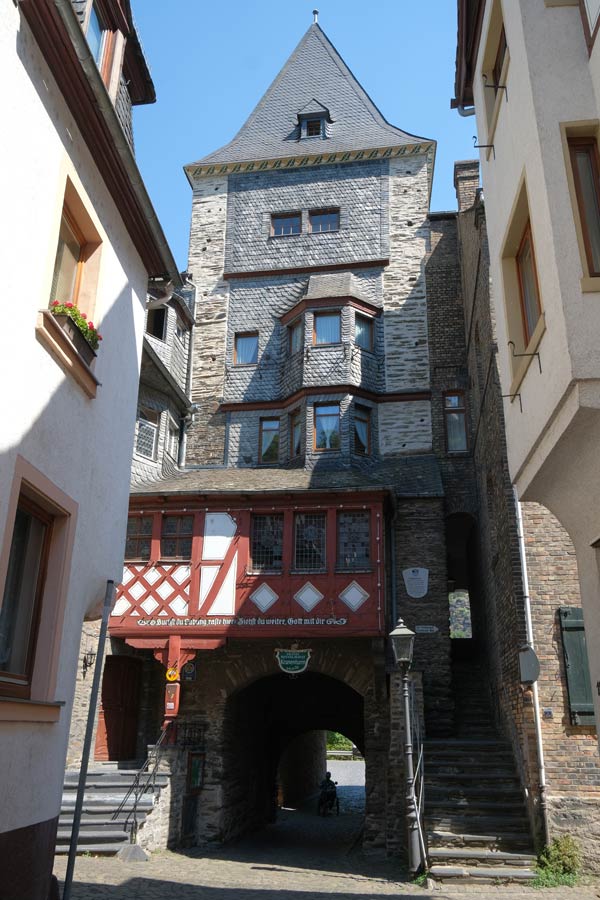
(83, 691)
(358, 190)
(302, 768)
(206, 437)
(405, 301)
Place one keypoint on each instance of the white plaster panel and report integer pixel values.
(224, 604)
(219, 528)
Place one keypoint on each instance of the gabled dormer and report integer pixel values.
(313, 121)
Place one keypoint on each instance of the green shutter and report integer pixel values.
(581, 701)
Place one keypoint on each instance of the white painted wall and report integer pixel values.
(83, 446)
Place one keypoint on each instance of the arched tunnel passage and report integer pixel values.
(272, 727)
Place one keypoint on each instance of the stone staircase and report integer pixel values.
(475, 817)
(103, 831)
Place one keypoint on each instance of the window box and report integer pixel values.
(55, 340)
(85, 350)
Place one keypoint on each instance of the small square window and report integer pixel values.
(363, 332)
(176, 537)
(327, 427)
(313, 128)
(324, 220)
(245, 352)
(295, 332)
(269, 441)
(286, 224)
(139, 537)
(295, 434)
(156, 319)
(455, 417)
(327, 328)
(362, 430)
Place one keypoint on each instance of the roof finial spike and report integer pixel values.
(315, 16)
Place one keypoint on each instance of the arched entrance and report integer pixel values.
(261, 723)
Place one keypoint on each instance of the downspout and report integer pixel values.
(465, 112)
(534, 687)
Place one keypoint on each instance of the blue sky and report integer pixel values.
(212, 61)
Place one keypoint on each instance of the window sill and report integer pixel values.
(53, 338)
(531, 348)
(308, 571)
(561, 2)
(329, 344)
(275, 237)
(261, 572)
(13, 709)
(245, 365)
(590, 284)
(354, 571)
(330, 231)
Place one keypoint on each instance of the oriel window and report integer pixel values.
(586, 174)
(295, 332)
(146, 433)
(295, 434)
(455, 418)
(269, 440)
(354, 540)
(327, 427)
(327, 328)
(176, 537)
(363, 332)
(362, 430)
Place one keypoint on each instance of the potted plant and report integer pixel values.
(82, 333)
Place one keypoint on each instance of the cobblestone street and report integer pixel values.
(302, 857)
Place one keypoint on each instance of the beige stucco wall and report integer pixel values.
(82, 446)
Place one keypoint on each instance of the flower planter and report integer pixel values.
(77, 339)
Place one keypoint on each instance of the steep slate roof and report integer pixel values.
(406, 476)
(314, 71)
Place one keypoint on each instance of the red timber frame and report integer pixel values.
(159, 603)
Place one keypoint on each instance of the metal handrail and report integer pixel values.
(138, 789)
(419, 777)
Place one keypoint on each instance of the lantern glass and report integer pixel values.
(402, 639)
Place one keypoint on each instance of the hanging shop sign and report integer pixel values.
(416, 582)
(188, 671)
(293, 662)
(172, 673)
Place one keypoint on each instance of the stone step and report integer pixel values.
(94, 849)
(98, 818)
(106, 784)
(453, 789)
(107, 802)
(506, 840)
(479, 856)
(472, 806)
(93, 836)
(474, 824)
(494, 778)
(481, 874)
(470, 764)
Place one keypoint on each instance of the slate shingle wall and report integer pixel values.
(360, 191)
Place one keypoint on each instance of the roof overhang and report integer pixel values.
(470, 18)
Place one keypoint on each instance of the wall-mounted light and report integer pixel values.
(88, 661)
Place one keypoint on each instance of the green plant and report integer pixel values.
(87, 328)
(336, 741)
(559, 863)
(421, 879)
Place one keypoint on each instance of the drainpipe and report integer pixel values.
(536, 702)
(465, 112)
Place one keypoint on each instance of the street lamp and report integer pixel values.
(403, 640)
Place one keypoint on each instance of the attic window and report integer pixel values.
(313, 127)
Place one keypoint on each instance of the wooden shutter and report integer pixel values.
(581, 701)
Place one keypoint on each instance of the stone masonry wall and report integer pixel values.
(206, 437)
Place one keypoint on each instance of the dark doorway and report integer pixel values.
(116, 737)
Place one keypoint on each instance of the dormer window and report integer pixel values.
(314, 127)
(312, 119)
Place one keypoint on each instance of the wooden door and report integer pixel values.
(118, 716)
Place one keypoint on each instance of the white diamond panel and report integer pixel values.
(149, 605)
(152, 575)
(138, 590)
(308, 596)
(127, 575)
(165, 590)
(121, 607)
(179, 606)
(181, 574)
(354, 596)
(264, 597)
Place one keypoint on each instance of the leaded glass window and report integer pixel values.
(354, 538)
(176, 537)
(267, 543)
(139, 537)
(309, 542)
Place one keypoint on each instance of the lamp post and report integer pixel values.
(403, 639)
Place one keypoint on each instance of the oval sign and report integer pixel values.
(293, 662)
(172, 674)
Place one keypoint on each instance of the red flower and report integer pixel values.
(84, 315)
(55, 303)
(91, 326)
(99, 336)
(69, 305)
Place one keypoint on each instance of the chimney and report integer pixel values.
(466, 182)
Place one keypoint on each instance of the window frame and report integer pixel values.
(150, 316)
(177, 536)
(323, 211)
(296, 327)
(457, 409)
(575, 144)
(338, 564)
(364, 414)
(303, 569)
(278, 570)
(19, 684)
(499, 59)
(371, 324)
(261, 431)
(294, 214)
(244, 334)
(316, 407)
(172, 443)
(318, 120)
(138, 536)
(527, 236)
(321, 314)
(295, 419)
(147, 414)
